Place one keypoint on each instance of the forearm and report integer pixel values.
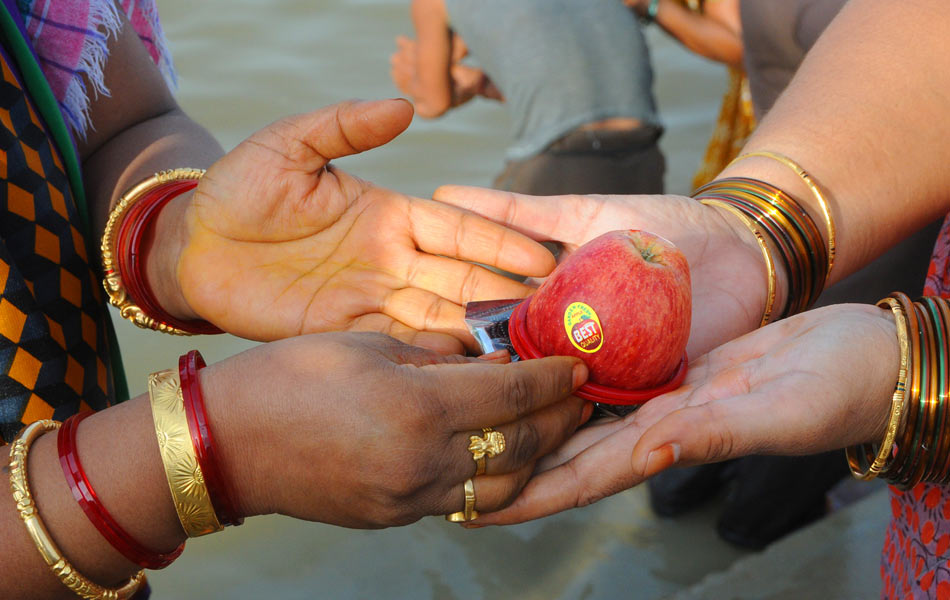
(166, 141)
(701, 34)
(120, 455)
(432, 80)
(866, 117)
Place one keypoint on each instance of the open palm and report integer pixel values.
(281, 243)
(729, 280)
(817, 381)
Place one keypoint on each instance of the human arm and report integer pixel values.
(818, 381)
(429, 71)
(427, 62)
(715, 33)
(382, 260)
(880, 167)
(376, 394)
(137, 130)
(466, 81)
(885, 180)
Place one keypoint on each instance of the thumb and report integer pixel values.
(689, 436)
(340, 130)
(356, 126)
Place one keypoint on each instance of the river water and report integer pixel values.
(245, 63)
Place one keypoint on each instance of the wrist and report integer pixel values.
(744, 230)
(649, 9)
(782, 177)
(129, 482)
(885, 375)
(163, 245)
(243, 459)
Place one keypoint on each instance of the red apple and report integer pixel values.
(621, 302)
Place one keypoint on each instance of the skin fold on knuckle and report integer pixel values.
(588, 493)
(703, 435)
(717, 441)
(525, 443)
(518, 389)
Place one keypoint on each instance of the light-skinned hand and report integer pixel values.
(818, 381)
(277, 242)
(729, 278)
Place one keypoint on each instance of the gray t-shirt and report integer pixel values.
(559, 63)
(776, 35)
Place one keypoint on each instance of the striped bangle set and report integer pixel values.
(916, 444)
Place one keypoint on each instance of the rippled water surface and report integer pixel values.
(245, 63)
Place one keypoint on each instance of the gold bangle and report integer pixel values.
(185, 479)
(769, 263)
(112, 281)
(815, 190)
(897, 403)
(20, 486)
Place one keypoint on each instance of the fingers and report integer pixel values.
(444, 343)
(582, 439)
(343, 129)
(462, 282)
(562, 218)
(486, 395)
(525, 440)
(440, 229)
(424, 310)
(717, 431)
(599, 471)
(492, 492)
(499, 357)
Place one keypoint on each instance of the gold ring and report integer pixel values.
(491, 446)
(469, 514)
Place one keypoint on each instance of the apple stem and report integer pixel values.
(647, 254)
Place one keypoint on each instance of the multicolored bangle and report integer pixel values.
(916, 445)
(766, 254)
(866, 461)
(19, 484)
(653, 8)
(791, 230)
(88, 500)
(123, 260)
(815, 190)
(219, 490)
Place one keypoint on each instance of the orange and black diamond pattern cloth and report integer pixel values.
(54, 355)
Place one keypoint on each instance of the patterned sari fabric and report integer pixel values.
(54, 352)
(916, 560)
(55, 343)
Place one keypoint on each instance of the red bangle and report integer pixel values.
(95, 511)
(219, 490)
(131, 260)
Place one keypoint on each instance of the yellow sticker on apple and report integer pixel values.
(583, 327)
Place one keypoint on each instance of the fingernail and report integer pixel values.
(580, 375)
(587, 412)
(662, 458)
(493, 355)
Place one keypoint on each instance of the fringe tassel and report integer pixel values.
(103, 17)
(149, 10)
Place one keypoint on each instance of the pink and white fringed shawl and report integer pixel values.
(71, 41)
